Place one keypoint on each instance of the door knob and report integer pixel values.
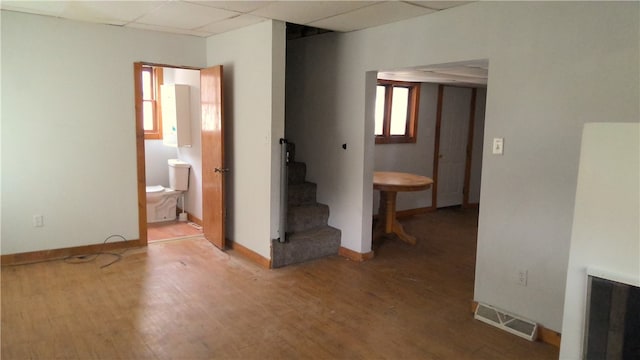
(221, 171)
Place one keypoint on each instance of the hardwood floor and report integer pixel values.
(187, 300)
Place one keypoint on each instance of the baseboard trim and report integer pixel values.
(549, 336)
(53, 254)
(545, 335)
(190, 216)
(194, 219)
(249, 254)
(410, 212)
(354, 255)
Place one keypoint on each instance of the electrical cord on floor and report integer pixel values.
(85, 258)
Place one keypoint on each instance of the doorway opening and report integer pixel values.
(174, 192)
(449, 137)
(448, 149)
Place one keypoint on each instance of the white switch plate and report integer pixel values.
(38, 221)
(498, 146)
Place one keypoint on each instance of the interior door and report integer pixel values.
(213, 170)
(454, 131)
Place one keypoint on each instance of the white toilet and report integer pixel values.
(161, 201)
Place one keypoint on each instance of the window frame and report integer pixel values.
(156, 81)
(413, 101)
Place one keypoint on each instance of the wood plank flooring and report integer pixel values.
(187, 300)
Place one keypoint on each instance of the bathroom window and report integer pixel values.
(396, 115)
(151, 114)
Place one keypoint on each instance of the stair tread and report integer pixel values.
(320, 230)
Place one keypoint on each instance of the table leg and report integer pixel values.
(388, 220)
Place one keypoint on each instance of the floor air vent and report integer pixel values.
(511, 323)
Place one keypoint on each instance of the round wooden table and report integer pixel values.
(389, 184)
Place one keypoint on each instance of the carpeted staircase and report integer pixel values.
(308, 235)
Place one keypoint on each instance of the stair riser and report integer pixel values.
(302, 247)
(301, 218)
(296, 172)
(299, 194)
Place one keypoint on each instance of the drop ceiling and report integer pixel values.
(468, 73)
(206, 18)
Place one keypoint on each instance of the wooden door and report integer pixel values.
(454, 130)
(213, 170)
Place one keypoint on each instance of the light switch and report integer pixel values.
(498, 146)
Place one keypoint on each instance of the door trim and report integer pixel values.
(467, 167)
(140, 154)
(436, 151)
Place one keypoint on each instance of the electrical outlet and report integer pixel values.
(38, 221)
(522, 277)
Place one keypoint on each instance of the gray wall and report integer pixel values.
(553, 67)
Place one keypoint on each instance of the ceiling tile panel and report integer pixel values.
(187, 16)
(304, 12)
(374, 15)
(51, 8)
(239, 6)
(439, 5)
(168, 29)
(231, 24)
(110, 12)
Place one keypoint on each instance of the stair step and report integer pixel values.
(299, 194)
(306, 217)
(305, 246)
(297, 171)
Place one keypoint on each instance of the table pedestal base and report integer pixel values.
(387, 222)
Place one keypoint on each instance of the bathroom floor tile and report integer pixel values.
(171, 230)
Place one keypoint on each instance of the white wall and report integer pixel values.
(156, 155)
(553, 67)
(69, 145)
(606, 221)
(253, 60)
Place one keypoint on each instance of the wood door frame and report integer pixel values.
(467, 166)
(436, 151)
(469, 151)
(140, 152)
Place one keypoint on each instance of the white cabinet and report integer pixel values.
(176, 117)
